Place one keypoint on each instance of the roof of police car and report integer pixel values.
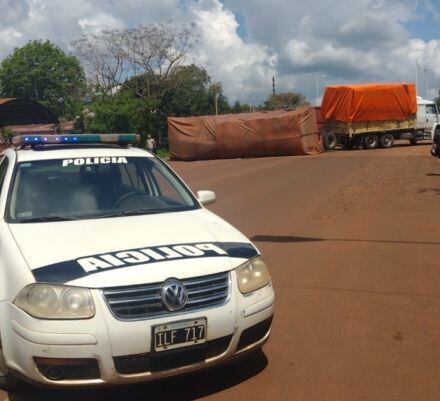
(68, 152)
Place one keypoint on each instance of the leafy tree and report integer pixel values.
(187, 91)
(243, 108)
(287, 100)
(237, 107)
(121, 112)
(215, 90)
(42, 72)
(437, 101)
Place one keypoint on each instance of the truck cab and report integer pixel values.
(428, 119)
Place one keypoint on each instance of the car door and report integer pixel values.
(431, 117)
(421, 117)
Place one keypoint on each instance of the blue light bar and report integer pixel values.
(120, 139)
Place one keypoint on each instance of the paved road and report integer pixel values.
(353, 241)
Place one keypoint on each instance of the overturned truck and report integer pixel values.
(370, 115)
(260, 134)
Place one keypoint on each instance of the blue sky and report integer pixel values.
(426, 28)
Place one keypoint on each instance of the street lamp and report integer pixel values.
(217, 94)
(250, 104)
(425, 70)
(317, 87)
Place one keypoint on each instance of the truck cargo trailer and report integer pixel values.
(373, 115)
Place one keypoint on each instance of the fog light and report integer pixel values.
(57, 369)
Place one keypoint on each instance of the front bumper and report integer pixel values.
(121, 350)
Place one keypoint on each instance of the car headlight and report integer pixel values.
(252, 276)
(47, 301)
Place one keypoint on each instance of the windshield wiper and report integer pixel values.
(137, 212)
(44, 219)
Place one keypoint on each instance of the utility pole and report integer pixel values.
(273, 86)
(425, 70)
(417, 76)
(217, 94)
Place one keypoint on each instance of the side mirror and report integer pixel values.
(206, 197)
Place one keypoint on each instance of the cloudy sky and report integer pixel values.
(243, 43)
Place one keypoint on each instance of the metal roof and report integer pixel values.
(15, 111)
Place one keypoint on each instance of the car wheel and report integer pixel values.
(330, 141)
(386, 141)
(371, 141)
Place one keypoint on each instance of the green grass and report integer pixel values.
(163, 153)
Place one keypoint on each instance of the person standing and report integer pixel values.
(151, 144)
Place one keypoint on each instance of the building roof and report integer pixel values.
(15, 111)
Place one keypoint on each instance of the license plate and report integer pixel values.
(179, 334)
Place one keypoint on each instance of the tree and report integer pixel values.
(437, 101)
(243, 108)
(140, 60)
(187, 91)
(287, 100)
(221, 105)
(121, 112)
(42, 72)
(149, 53)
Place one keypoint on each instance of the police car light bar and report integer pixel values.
(119, 139)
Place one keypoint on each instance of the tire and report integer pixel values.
(357, 142)
(413, 141)
(436, 138)
(330, 141)
(386, 141)
(371, 141)
(10, 383)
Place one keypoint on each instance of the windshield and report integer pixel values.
(95, 187)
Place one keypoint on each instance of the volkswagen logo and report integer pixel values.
(174, 295)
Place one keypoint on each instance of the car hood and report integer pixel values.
(121, 251)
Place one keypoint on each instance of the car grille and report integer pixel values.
(144, 301)
(161, 361)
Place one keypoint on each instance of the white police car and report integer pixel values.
(113, 272)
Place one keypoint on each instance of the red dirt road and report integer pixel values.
(353, 242)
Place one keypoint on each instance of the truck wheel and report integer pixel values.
(371, 141)
(413, 141)
(330, 141)
(386, 141)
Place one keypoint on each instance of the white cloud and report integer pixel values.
(243, 68)
(295, 40)
(99, 22)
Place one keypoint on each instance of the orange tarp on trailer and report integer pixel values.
(369, 102)
(273, 133)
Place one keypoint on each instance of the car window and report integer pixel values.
(3, 170)
(431, 109)
(167, 189)
(95, 187)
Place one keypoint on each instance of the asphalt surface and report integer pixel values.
(352, 239)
